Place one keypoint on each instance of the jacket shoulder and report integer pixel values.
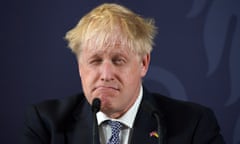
(53, 113)
(59, 108)
(168, 103)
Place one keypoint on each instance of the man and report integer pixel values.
(113, 45)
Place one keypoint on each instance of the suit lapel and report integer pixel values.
(144, 123)
(80, 129)
(143, 126)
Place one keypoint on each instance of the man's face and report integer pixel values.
(113, 75)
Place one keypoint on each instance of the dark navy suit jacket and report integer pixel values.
(69, 121)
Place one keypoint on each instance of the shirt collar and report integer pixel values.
(129, 117)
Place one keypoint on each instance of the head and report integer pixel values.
(112, 45)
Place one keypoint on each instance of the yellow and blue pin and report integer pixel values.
(154, 134)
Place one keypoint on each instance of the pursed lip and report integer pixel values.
(104, 87)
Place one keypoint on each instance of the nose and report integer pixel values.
(107, 71)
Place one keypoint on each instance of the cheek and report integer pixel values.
(85, 79)
(132, 76)
(87, 82)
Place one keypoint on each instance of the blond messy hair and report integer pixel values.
(111, 24)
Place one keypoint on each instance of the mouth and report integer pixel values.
(106, 88)
(106, 94)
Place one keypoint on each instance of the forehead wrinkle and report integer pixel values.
(110, 50)
(105, 45)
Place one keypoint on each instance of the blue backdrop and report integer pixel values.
(194, 59)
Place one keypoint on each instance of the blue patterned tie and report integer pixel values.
(115, 126)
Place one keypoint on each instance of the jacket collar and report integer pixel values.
(145, 124)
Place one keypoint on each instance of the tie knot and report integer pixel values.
(115, 125)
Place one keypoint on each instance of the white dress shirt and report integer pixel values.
(127, 120)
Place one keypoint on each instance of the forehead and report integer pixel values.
(107, 48)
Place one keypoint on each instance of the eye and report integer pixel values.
(119, 61)
(95, 61)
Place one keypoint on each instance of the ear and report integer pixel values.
(145, 64)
